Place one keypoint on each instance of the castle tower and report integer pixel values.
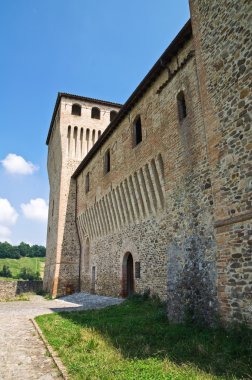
(77, 123)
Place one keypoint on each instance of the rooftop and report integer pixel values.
(183, 36)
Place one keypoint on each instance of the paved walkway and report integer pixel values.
(22, 353)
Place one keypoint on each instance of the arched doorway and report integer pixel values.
(127, 275)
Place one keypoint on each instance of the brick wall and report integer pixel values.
(156, 202)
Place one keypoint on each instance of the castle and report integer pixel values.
(156, 193)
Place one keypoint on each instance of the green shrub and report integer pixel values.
(29, 274)
(5, 272)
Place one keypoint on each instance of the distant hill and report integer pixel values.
(15, 266)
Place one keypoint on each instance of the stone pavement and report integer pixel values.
(22, 353)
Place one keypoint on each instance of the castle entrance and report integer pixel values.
(127, 275)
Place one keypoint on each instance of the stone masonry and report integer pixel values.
(172, 215)
(223, 47)
(10, 289)
(71, 137)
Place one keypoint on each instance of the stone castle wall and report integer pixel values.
(156, 202)
(223, 46)
(10, 289)
(54, 167)
(180, 201)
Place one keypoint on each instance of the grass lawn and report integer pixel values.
(135, 341)
(35, 263)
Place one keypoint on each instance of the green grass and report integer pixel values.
(35, 263)
(20, 297)
(135, 341)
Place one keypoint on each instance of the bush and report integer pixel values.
(29, 274)
(5, 272)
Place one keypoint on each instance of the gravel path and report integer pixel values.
(22, 353)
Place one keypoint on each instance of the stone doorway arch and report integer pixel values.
(127, 275)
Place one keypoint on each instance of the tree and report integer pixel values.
(24, 249)
(5, 250)
(8, 251)
(38, 251)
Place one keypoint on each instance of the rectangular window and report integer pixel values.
(137, 131)
(93, 278)
(87, 183)
(107, 161)
(182, 112)
(137, 269)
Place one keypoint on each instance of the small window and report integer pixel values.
(181, 106)
(76, 109)
(99, 134)
(93, 278)
(87, 183)
(95, 113)
(137, 131)
(137, 269)
(112, 115)
(107, 161)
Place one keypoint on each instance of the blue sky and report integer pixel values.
(97, 48)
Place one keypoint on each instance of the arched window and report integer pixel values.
(93, 136)
(75, 140)
(107, 161)
(87, 134)
(76, 109)
(181, 105)
(81, 140)
(99, 134)
(87, 138)
(137, 131)
(68, 139)
(95, 113)
(112, 115)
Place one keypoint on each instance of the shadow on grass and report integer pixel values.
(139, 330)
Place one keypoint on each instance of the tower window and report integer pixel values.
(95, 113)
(87, 183)
(137, 131)
(76, 109)
(137, 269)
(107, 161)
(112, 115)
(181, 105)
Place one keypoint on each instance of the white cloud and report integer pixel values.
(5, 234)
(8, 217)
(8, 214)
(36, 209)
(15, 164)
